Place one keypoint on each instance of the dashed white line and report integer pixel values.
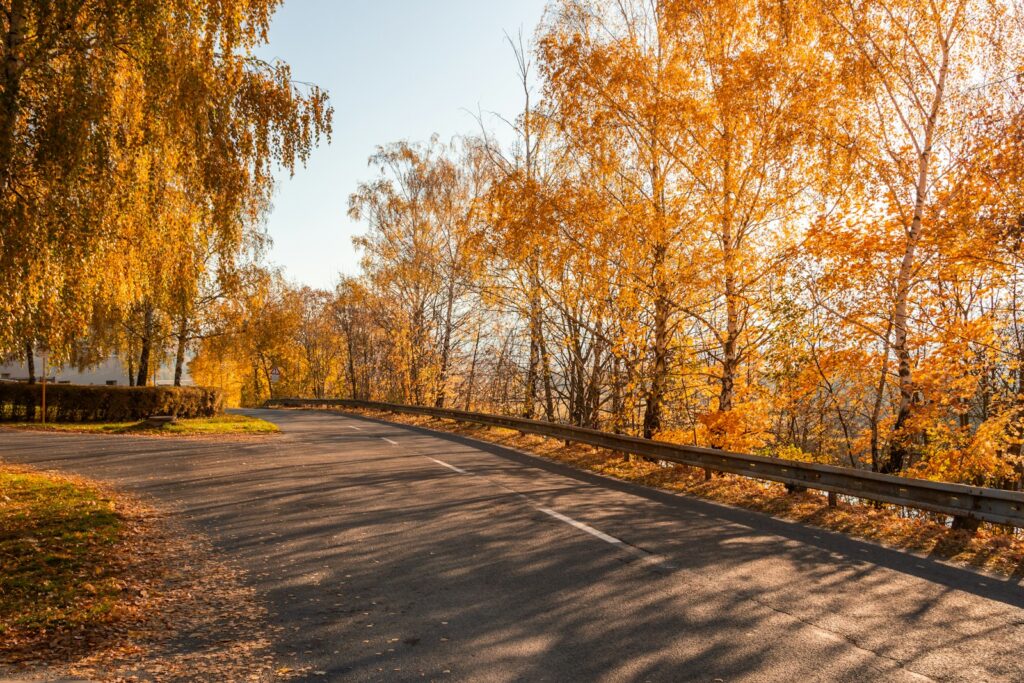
(451, 467)
(353, 427)
(586, 528)
(660, 564)
(581, 526)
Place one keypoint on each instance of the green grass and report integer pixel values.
(221, 424)
(57, 537)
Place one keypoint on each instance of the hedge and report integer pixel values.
(78, 403)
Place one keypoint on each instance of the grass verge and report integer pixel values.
(993, 548)
(225, 425)
(57, 540)
(96, 585)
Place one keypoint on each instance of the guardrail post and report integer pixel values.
(833, 499)
(961, 523)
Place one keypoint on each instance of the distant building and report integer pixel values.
(109, 371)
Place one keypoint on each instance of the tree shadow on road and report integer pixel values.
(378, 564)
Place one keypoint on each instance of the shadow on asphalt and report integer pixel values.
(520, 608)
(381, 572)
(1003, 589)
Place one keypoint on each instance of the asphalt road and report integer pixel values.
(388, 552)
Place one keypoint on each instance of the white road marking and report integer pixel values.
(581, 526)
(451, 467)
(660, 564)
(355, 428)
(647, 558)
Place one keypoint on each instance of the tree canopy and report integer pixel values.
(137, 145)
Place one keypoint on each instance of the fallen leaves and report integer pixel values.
(179, 614)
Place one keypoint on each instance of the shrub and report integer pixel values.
(79, 403)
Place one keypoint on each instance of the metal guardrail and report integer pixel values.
(957, 500)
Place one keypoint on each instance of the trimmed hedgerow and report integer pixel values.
(78, 403)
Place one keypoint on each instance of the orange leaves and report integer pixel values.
(142, 162)
(742, 430)
(785, 227)
(971, 456)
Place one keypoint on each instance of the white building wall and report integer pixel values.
(109, 370)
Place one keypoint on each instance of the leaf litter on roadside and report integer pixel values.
(179, 613)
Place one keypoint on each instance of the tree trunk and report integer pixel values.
(653, 413)
(179, 356)
(367, 391)
(545, 366)
(730, 356)
(730, 242)
(533, 371)
(472, 372)
(575, 393)
(531, 378)
(446, 341)
(256, 384)
(729, 359)
(619, 420)
(899, 446)
(147, 340)
(876, 409)
(594, 388)
(351, 364)
(30, 362)
(898, 449)
(417, 346)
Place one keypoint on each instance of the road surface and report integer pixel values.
(388, 552)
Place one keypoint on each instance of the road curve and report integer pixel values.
(388, 552)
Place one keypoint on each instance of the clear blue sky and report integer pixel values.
(395, 69)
